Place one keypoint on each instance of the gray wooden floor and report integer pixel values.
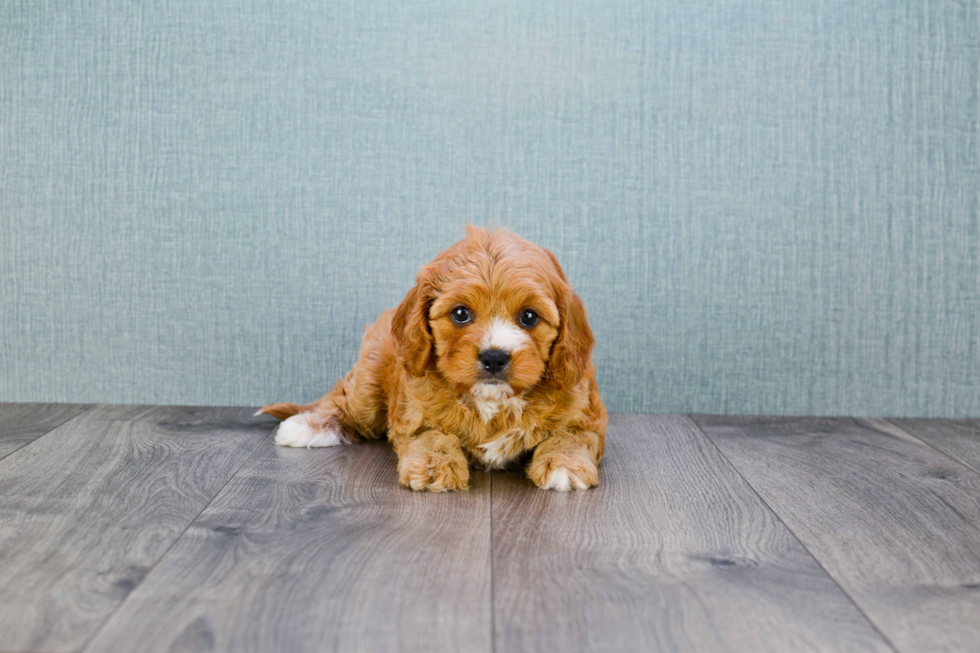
(128, 528)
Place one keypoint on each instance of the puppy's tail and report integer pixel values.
(283, 409)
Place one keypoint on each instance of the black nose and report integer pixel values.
(494, 360)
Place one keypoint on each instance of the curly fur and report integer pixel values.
(418, 378)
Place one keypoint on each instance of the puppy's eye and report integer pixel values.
(461, 315)
(528, 318)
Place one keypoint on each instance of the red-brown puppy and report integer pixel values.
(488, 357)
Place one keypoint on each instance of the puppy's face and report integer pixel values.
(493, 331)
(492, 314)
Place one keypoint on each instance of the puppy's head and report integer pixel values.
(494, 313)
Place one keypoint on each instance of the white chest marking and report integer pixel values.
(497, 453)
(493, 398)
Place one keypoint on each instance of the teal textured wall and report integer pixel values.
(768, 207)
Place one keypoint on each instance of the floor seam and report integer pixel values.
(51, 430)
(925, 442)
(493, 594)
(779, 518)
(163, 555)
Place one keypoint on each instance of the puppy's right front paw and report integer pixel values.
(306, 430)
(435, 472)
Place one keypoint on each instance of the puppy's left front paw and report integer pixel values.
(563, 472)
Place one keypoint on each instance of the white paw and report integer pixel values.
(301, 431)
(559, 479)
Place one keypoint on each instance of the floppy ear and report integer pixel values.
(571, 351)
(410, 325)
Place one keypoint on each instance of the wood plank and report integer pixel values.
(319, 550)
(87, 509)
(672, 552)
(896, 523)
(21, 424)
(958, 438)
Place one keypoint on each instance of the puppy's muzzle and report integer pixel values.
(494, 361)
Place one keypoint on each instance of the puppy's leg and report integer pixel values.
(320, 427)
(323, 423)
(567, 460)
(355, 408)
(431, 460)
(351, 410)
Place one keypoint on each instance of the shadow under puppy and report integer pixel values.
(486, 359)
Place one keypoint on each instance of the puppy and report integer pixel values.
(486, 362)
